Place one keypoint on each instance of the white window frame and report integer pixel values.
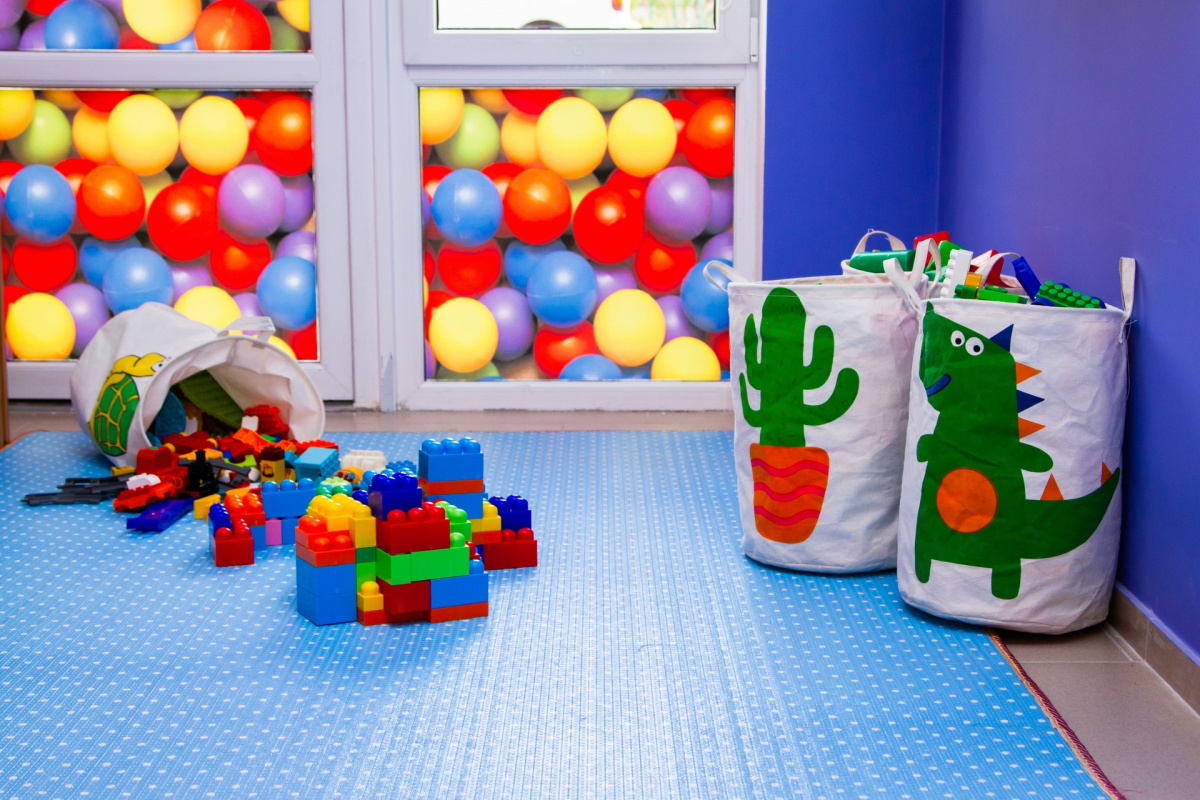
(323, 72)
(400, 232)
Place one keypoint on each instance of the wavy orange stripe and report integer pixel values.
(807, 477)
(759, 511)
(783, 497)
(771, 469)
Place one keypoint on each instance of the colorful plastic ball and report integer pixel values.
(297, 202)
(252, 110)
(467, 208)
(81, 25)
(96, 254)
(661, 266)
(47, 138)
(685, 359)
(677, 321)
(475, 143)
(186, 44)
(537, 206)
(678, 204)
(591, 367)
(719, 246)
(39, 327)
(431, 178)
(295, 12)
(238, 265)
(44, 267)
(232, 25)
(613, 279)
(571, 137)
(303, 342)
(16, 111)
(10, 12)
(518, 138)
(6, 260)
(143, 134)
(34, 36)
(579, 187)
(213, 135)
(137, 276)
(654, 94)
(162, 21)
(209, 184)
(433, 302)
(251, 202)
(247, 303)
(562, 289)
(514, 321)
(633, 186)
(706, 306)
(719, 342)
(441, 111)
(642, 137)
(608, 225)
(112, 202)
(606, 98)
(102, 100)
(630, 327)
(487, 372)
(298, 243)
(721, 216)
(681, 111)
(708, 138)
(13, 293)
(554, 348)
(282, 345)
(75, 170)
(463, 334)
(65, 99)
(186, 277)
(182, 222)
(425, 203)
(88, 311)
(283, 136)
(10, 38)
(532, 101)
(208, 304)
(153, 184)
(430, 362)
(89, 133)
(491, 99)
(39, 203)
(470, 271)
(698, 95)
(287, 292)
(520, 259)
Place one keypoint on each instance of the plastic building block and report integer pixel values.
(514, 512)
(470, 504)
(448, 563)
(489, 521)
(160, 516)
(232, 548)
(460, 591)
(248, 507)
(327, 551)
(335, 511)
(407, 467)
(873, 261)
(269, 422)
(287, 530)
(369, 597)
(287, 499)
(514, 551)
(274, 532)
(395, 569)
(407, 598)
(271, 464)
(155, 459)
(363, 572)
(328, 609)
(322, 443)
(973, 280)
(363, 555)
(201, 505)
(1064, 296)
(373, 460)
(999, 295)
(441, 488)
(458, 519)
(316, 463)
(137, 499)
(203, 391)
(425, 528)
(142, 479)
(309, 528)
(450, 460)
(337, 579)
(453, 613)
(200, 475)
(259, 534)
(1026, 275)
(218, 517)
(362, 527)
(393, 492)
(189, 443)
(964, 292)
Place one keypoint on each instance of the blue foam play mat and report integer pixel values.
(644, 657)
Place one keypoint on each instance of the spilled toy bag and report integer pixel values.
(1010, 513)
(125, 372)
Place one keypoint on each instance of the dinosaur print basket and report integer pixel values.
(1010, 513)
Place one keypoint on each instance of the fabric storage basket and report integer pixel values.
(820, 370)
(125, 372)
(1010, 513)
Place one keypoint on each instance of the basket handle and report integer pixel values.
(895, 243)
(1128, 278)
(731, 274)
(902, 283)
(262, 326)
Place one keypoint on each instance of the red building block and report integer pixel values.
(309, 528)
(269, 422)
(139, 498)
(372, 617)
(327, 551)
(451, 613)
(247, 507)
(411, 616)
(406, 598)
(436, 488)
(513, 551)
(155, 460)
(424, 528)
(302, 446)
(232, 548)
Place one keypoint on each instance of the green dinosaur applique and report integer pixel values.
(974, 509)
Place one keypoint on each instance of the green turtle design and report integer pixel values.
(118, 400)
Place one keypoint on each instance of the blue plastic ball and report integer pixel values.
(641, 373)
(186, 43)
(137, 276)
(40, 204)
(705, 306)
(424, 210)
(591, 367)
(520, 259)
(562, 289)
(466, 208)
(81, 25)
(96, 254)
(654, 94)
(287, 292)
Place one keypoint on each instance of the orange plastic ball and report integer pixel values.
(708, 138)
(112, 202)
(232, 25)
(283, 137)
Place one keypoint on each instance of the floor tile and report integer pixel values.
(1090, 645)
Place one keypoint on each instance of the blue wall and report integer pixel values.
(853, 114)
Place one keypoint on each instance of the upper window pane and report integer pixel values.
(576, 14)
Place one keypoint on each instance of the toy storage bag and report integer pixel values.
(819, 369)
(1010, 512)
(125, 372)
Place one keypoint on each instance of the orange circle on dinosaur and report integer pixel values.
(966, 500)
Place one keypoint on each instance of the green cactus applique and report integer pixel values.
(790, 478)
(974, 510)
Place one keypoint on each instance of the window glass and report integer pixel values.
(576, 14)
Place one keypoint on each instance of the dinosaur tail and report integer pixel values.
(1057, 526)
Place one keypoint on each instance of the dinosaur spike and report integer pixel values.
(1105, 473)
(1052, 492)
(1026, 400)
(1004, 338)
(1025, 372)
(1026, 427)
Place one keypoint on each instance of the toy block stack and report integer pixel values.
(283, 504)
(325, 563)
(230, 544)
(453, 471)
(516, 547)
(316, 463)
(248, 508)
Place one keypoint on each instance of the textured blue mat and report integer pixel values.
(645, 657)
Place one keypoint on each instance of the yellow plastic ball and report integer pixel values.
(641, 137)
(47, 139)
(630, 327)
(571, 137)
(162, 21)
(63, 98)
(441, 113)
(143, 134)
(295, 12)
(685, 359)
(581, 186)
(213, 135)
(211, 305)
(16, 111)
(491, 99)
(89, 132)
(39, 326)
(463, 334)
(281, 344)
(518, 139)
(425, 283)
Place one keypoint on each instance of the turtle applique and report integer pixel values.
(118, 401)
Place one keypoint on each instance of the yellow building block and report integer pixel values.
(490, 520)
(369, 597)
(362, 527)
(203, 504)
(122, 471)
(973, 280)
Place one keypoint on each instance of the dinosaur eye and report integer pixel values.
(974, 346)
(957, 338)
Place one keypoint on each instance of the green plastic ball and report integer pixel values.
(488, 370)
(475, 144)
(47, 140)
(607, 98)
(177, 98)
(285, 38)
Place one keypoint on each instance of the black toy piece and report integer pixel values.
(200, 476)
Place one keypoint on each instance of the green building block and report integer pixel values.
(1063, 297)
(364, 555)
(999, 295)
(428, 565)
(873, 261)
(458, 519)
(964, 292)
(203, 391)
(396, 569)
(362, 573)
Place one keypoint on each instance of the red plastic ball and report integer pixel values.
(232, 25)
(708, 139)
(269, 96)
(182, 222)
(531, 101)
(502, 173)
(75, 170)
(112, 202)
(431, 176)
(436, 298)
(470, 271)
(12, 294)
(42, 7)
(681, 112)
(283, 136)
(554, 348)
(428, 261)
(609, 225)
(209, 184)
(237, 265)
(131, 41)
(6, 258)
(634, 187)
(699, 96)
(253, 110)
(102, 100)
(661, 267)
(719, 342)
(7, 170)
(304, 342)
(537, 206)
(45, 267)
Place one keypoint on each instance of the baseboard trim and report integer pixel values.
(1155, 646)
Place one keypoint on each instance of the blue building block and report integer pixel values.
(514, 512)
(449, 460)
(259, 534)
(218, 517)
(391, 492)
(329, 609)
(407, 467)
(287, 499)
(471, 502)
(322, 581)
(317, 463)
(160, 516)
(460, 591)
(287, 530)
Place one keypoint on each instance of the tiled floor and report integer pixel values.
(1138, 729)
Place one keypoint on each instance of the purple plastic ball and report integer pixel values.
(10, 12)
(9, 38)
(251, 201)
(678, 204)
(88, 309)
(34, 37)
(297, 202)
(424, 209)
(612, 279)
(302, 244)
(677, 321)
(719, 246)
(514, 320)
(188, 276)
(721, 216)
(247, 303)
(430, 362)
